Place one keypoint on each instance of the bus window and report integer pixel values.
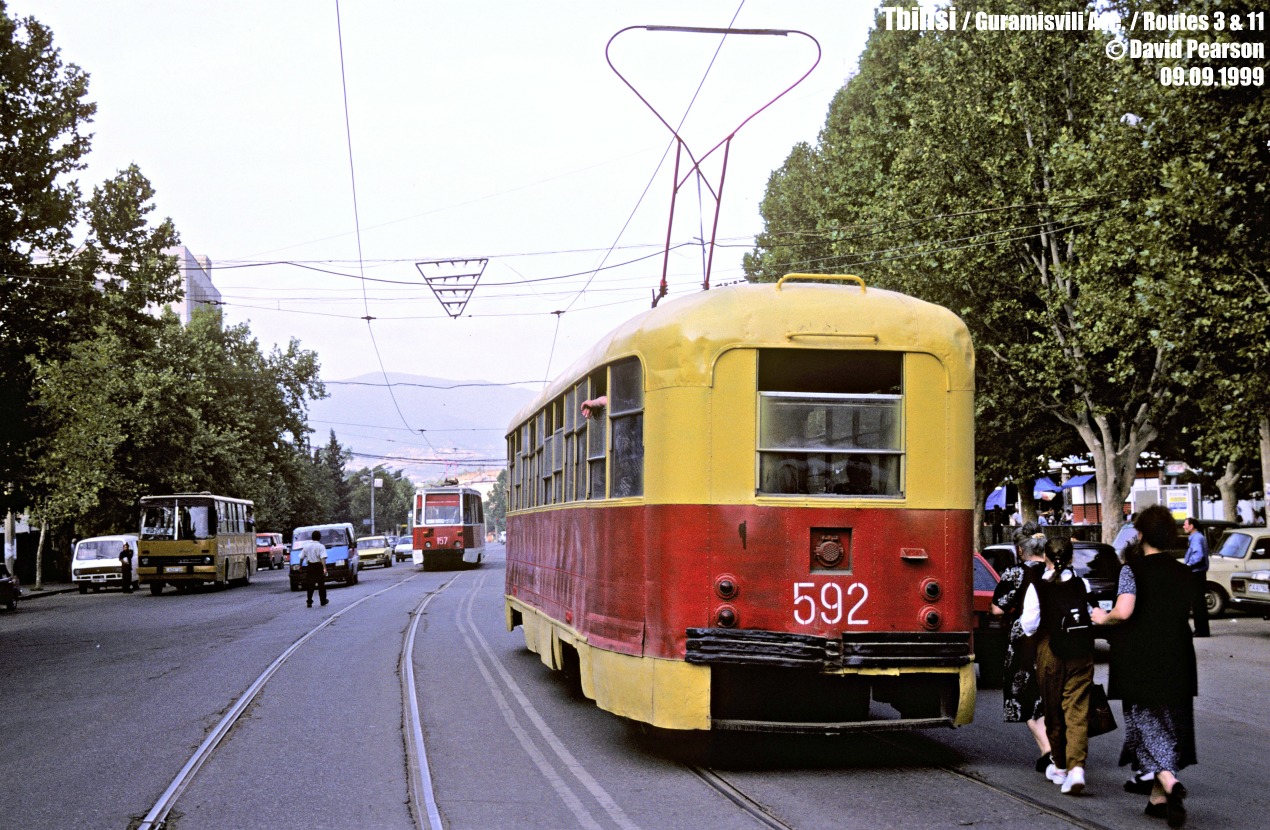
(830, 423)
(158, 522)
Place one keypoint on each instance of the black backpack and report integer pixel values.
(1065, 616)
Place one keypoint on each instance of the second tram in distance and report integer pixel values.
(765, 523)
(448, 527)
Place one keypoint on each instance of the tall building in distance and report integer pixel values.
(197, 289)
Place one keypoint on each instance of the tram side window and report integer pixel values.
(830, 423)
(626, 422)
(595, 441)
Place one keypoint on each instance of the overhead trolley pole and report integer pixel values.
(682, 148)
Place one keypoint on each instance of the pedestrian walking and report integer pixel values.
(1020, 694)
(125, 567)
(1057, 610)
(313, 560)
(1197, 560)
(1153, 668)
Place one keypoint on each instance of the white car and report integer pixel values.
(403, 550)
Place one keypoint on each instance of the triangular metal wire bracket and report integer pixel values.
(452, 280)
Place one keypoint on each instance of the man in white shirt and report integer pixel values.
(313, 561)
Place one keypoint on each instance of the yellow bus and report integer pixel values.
(189, 539)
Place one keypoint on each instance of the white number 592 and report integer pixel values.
(830, 604)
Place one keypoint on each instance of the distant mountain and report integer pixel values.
(444, 425)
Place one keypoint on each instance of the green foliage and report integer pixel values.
(496, 505)
(1100, 234)
(392, 500)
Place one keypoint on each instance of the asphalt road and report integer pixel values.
(106, 696)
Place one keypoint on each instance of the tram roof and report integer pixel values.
(680, 339)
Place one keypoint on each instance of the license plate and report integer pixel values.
(174, 569)
(1258, 588)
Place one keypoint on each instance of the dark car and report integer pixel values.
(8, 589)
(1094, 561)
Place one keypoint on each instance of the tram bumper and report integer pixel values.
(785, 682)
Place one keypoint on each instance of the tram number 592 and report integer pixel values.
(828, 603)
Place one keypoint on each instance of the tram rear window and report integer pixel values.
(830, 423)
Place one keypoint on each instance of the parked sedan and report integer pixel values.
(1250, 592)
(374, 550)
(1241, 550)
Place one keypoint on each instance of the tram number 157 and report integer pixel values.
(828, 602)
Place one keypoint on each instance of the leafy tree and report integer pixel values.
(392, 500)
(43, 117)
(1005, 179)
(496, 505)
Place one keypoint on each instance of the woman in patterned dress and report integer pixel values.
(1019, 691)
(1153, 668)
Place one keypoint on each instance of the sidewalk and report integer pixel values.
(50, 588)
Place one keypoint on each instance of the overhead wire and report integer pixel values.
(348, 131)
(642, 195)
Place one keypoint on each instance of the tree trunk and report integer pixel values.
(1115, 467)
(1027, 499)
(1265, 464)
(39, 555)
(1226, 486)
(980, 497)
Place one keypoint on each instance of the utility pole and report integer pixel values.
(374, 482)
(10, 546)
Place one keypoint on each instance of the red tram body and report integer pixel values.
(767, 525)
(447, 527)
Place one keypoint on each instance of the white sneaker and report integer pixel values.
(1053, 773)
(1074, 784)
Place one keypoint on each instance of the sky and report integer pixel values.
(492, 129)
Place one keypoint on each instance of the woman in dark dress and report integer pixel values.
(1153, 668)
(1019, 691)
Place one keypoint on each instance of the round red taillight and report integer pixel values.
(725, 616)
(930, 618)
(931, 589)
(726, 586)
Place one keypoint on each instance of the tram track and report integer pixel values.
(423, 802)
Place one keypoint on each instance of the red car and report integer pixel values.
(270, 552)
(990, 632)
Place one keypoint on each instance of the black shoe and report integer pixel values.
(1140, 787)
(1043, 762)
(325, 601)
(1160, 810)
(1176, 813)
(309, 604)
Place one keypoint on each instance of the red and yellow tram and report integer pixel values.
(765, 523)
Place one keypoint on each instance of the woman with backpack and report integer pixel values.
(1020, 693)
(1057, 610)
(1153, 668)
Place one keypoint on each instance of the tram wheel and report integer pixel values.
(83, 589)
(156, 588)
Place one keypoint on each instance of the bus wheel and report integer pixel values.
(156, 588)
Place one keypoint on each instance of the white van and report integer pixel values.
(96, 562)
